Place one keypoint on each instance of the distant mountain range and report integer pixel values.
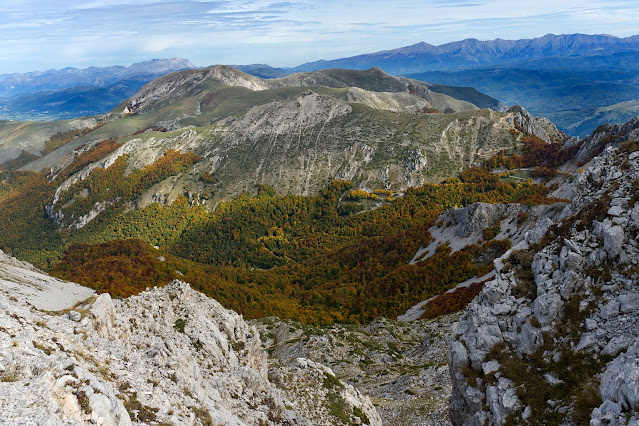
(473, 53)
(14, 84)
(73, 92)
(565, 78)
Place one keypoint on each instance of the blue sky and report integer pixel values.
(44, 34)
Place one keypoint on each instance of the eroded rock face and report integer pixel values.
(619, 387)
(461, 227)
(167, 355)
(567, 302)
(25, 283)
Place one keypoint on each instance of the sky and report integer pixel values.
(45, 34)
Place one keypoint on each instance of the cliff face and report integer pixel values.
(554, 337)
(299, 144)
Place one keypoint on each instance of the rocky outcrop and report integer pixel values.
(605, 135)
(560, 317)
(619, 389)
(461, 227)
(404, 102)
(346, 404)
(168, 355)
(538, 126)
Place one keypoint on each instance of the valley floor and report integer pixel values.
(402, 366)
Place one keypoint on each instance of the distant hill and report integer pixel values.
(73, 92)
(560, 77)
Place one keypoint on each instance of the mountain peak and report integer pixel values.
(156, 66)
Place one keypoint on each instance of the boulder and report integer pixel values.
(613, 241)
(629, 303)
(103, 315)
(620, 380)
(546, 307)
(634, 216)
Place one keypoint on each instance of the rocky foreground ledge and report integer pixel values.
(554, 338)
(167, 356)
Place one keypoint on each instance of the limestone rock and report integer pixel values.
(103, 315)
(620, 389)
(167, 355)
(400, 365)
(577, 298)
(613, 241)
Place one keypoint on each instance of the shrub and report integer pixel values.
(490, 233)
(331, 381)
(522, 217)
(179, 325)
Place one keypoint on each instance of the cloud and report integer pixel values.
(37, 34)
(462, 5)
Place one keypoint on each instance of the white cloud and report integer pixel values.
(92, 32)
(153, 44)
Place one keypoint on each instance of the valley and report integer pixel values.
(316, 231)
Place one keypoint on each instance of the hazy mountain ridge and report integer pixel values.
(79, 101)
(567, 96)
(471, 53)
(13, 84)
(73, 92)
